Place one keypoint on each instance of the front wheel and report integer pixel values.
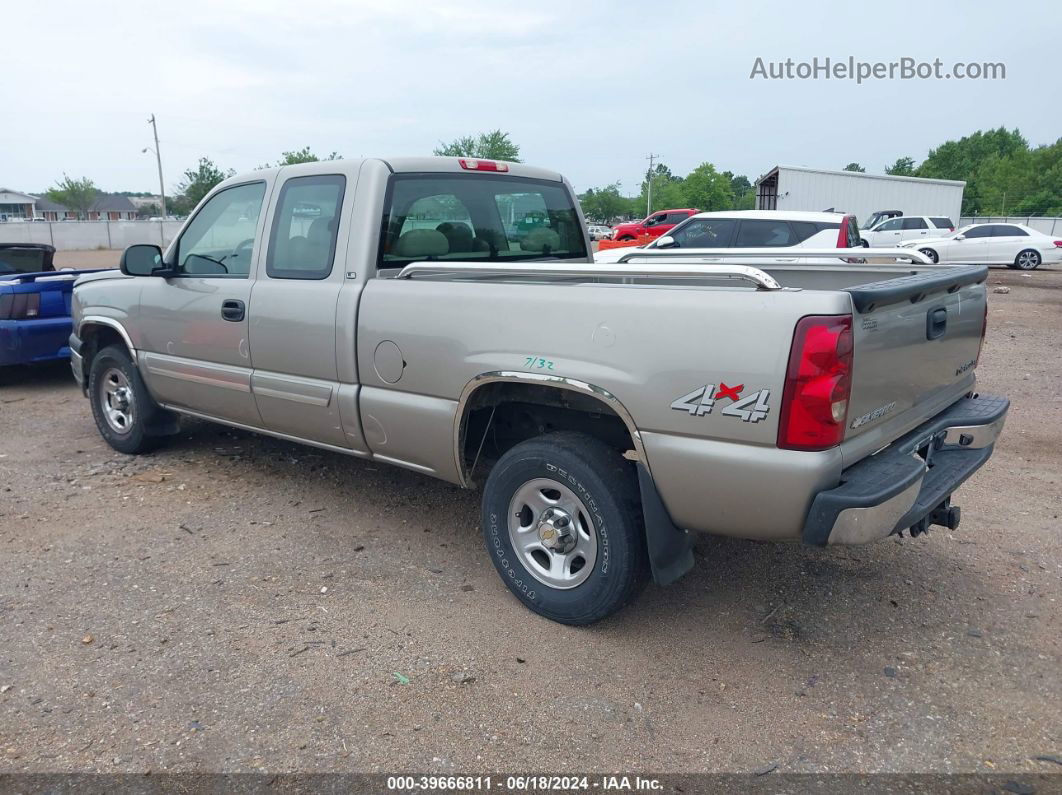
(626, 238)
(1027, 260)
(929, 253)
(121, 404)
(563, 527)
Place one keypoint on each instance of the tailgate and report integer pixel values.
(917, 339)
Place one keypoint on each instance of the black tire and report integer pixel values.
(931, 253)
(606, 488)
(109, 366)
(1028, 259)
(627, 237)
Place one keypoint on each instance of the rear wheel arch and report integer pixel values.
(524, 405)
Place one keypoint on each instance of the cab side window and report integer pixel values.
(890, 226)
(980, 231)
(219, 241)
(914, 223)
(764, 234)
(302, 243)
(704, 233)
(1006, 230)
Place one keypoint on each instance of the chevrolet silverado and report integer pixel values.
(387, 309)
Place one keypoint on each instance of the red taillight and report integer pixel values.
(818, 383)
(842, 234)
(474, 164)
(1058, 244)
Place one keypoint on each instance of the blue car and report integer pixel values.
(35, 298)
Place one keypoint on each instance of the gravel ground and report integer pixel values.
(88, 258)
(238, 603)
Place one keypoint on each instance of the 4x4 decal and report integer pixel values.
(701, 401)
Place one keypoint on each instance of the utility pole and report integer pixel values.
(649, 191)
(158, 159)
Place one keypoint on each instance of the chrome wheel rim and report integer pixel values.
(116, 401)
(1027, 260)
(931, 254)
(553, 533)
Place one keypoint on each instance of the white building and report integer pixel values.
(802, 188)
(16, 205)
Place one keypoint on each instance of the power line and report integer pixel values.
(649, 181)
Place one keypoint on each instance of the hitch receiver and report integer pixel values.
(945, 515)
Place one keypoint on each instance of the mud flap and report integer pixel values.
(670, 547)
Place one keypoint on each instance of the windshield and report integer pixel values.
(22, 260)
(478, 218)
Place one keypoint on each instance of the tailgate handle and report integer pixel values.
(936, 322)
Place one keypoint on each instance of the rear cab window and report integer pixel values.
(302, 242)
(478, 218)
(942, 223)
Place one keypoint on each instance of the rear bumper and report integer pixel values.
(909, 483)
(33, 340)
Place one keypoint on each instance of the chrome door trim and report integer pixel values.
(156, 365)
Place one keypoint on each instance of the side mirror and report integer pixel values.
(665, 241)
(142, 259)
(960, 237)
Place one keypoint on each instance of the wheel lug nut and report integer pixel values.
(562, 522)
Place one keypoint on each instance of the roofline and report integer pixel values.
(924, 180)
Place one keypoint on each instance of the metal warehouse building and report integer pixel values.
(801, 188)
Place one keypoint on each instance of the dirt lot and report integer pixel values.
(92, 258)
(235, 602)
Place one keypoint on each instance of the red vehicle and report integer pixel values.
(655, 225)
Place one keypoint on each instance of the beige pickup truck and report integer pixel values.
(445, 315)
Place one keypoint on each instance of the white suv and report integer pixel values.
(894, 231)
(754, 229)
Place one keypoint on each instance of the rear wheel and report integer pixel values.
(1027, 260)
(931, 253)
(562, 524)
(121, 405)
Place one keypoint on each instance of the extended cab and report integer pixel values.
(388, 309)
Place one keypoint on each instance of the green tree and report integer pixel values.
(197, 183)
(903, 167)
(743, 190)
(494, 145)
(707, 189)
(1024, 183)
(964, 159)
(604, 204)
(855, 167)
(303, 155)
(75, 194)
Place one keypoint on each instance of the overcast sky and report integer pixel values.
(587, 88)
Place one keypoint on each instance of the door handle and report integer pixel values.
(936, 322)
(233, 309)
